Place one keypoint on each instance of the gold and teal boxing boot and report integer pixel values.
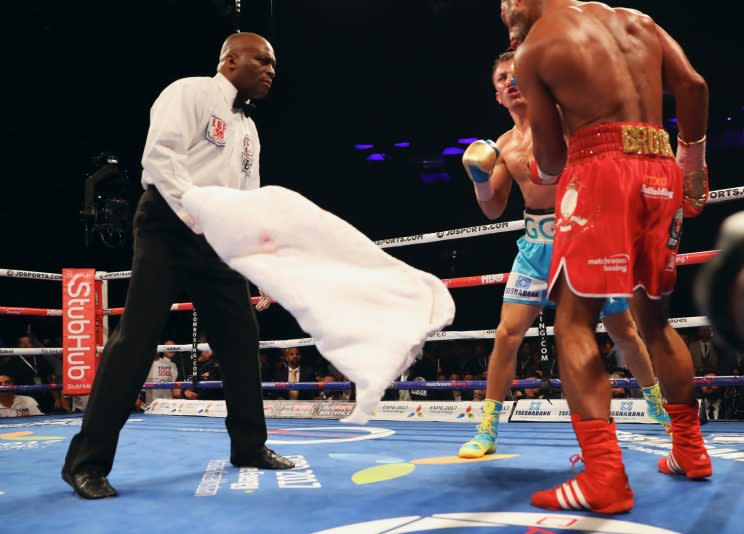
(484, 442)
(655, 406)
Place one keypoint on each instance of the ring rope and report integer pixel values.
(450, 335)
(554, 383)
(690, 258)
(714, 197)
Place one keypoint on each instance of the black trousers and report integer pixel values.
(168, 258)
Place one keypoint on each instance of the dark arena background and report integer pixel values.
(371, 109)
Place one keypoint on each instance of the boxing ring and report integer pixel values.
(389, 476)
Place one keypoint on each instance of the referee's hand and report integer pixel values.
(264, 302)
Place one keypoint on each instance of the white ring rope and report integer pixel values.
(676, 322)
(714, 197)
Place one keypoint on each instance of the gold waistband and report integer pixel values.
(636, 139)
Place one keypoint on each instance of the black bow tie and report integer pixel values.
(246, 107)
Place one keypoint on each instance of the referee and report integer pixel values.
(199, 135)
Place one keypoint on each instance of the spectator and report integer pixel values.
(704, 353)
(292, 370)
(31, 370)
(481, 355)
(440, 394)
(209, 369)
(267, 370)
(335, 395)
(467, 394)
(619, 393)
(62, 403)
(728, 359)
(479, 395)
(711, 403)
(12, 405)
(532, 364)
(611, 356)
(163, 369)
(534, 393)
(423, 369)
(347, 394)
(456, 393)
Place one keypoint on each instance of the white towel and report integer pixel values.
(368, 312)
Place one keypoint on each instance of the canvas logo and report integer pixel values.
(535, 405)
(26, 439)
(626, 406)
(544, 523)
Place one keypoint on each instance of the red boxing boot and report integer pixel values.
(689, 456)
(603, 486)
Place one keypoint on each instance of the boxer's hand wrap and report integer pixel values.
(539, 177)
(691, 159)
(479, 161)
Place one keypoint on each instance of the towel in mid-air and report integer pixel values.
(368, 312)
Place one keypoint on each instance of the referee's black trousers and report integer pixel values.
(168, 259)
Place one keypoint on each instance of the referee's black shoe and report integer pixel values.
(89, 483)
(265, 458)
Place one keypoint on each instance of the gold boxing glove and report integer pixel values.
(479, 161)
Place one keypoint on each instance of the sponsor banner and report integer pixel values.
(506, 410)
(195, 408)
(270, 406)
(556, 410)
(451, 411)
(629, 411)
(397, 411)
(334, 409)
(78, 331)
(297, 409)
(541, 410)
(444, 411)
(164, 406)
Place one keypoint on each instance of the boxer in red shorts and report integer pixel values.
(598, 74)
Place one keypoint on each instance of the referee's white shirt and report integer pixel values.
(196, 138)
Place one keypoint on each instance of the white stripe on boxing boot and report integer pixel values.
(673, 465)
(579, 494)
(561, 500)
(569, 495)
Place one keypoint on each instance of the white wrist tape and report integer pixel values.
(545, 178)
(691, 156)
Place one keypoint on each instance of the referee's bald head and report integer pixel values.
(248, 61)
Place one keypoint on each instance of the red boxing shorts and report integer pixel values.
(618, 212)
